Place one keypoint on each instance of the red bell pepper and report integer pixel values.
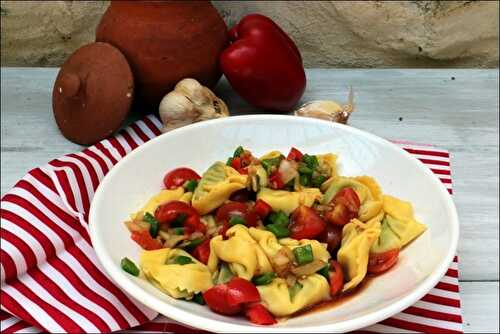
(263, 64)
(259, 315)
(202, 251)
(168, 212)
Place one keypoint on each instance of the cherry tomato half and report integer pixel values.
(202, 251)
(177, 177)
(275, 181)
(336, 278)
(168, 212)
(381, 262)
(305, 223)
(262, 208)
(226, 211)
(216, 299)
(259, 315)
(241, 291)
(345, 207)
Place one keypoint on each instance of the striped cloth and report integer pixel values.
(52, 281)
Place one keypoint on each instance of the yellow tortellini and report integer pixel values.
(287, 201)
(277, 299)
(367, 189)
(400, 221)
(357, 239)
(178, 281)
(216, 186)
(267, 241)
(242, 253)
(328, 164)
(165, 196)
(270, 155)
(319, 250)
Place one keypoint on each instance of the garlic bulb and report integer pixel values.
(328, 110)
(188, 103)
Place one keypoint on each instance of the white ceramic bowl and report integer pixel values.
(139, 175)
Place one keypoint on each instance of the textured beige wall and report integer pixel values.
(328, 33)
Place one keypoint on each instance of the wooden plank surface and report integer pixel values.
(453, 109)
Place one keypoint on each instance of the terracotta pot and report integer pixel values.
(164, 42)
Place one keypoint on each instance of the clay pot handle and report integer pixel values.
(69, 85)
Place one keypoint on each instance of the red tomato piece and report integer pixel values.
(349, 198)
(305, 223)
(202, 251)
(262, 208)
(294, 154)
(241, 291)
(381, 262)
(216, 299)
(275, 181)
(332, 236)
(259, 315)
(345, 207)
(336, 278)
(145, 240)
(177, 177)
(168, 212)
(246, 158)
(226, 211)
(242, 195)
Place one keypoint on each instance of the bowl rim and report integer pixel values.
(189, 318)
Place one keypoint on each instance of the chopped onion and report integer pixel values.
(309, 268)
(282, 261)
(287, 170)
(195, 235)
(290, 280)
(137, 226)
(174, 240)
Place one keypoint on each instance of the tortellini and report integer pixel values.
(178, 281)
(367, 189)
(328, 164)
(399, 221)
(288, 201)
(357, 239)
(242, 253)
(276, 295)
(216, 186)
(267, 241)
(319, 250)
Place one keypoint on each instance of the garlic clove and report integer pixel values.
(327, 110)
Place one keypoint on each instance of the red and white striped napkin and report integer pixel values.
(52, 281)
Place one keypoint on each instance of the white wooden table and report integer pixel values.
(453, 109)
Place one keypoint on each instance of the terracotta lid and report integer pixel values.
(92, 93)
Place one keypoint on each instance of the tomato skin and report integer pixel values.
(336, 278)
(294, 154)
(332, 236)
(259, 315)
(145, 240)
(216, 299)
(177, 177)
(242, 195)
(381, 262)
(345, 207)
(275, 181)
(168, 212)
(262, 208)
(241, 291)
(202, 251)
(305, 223)
(224, 213)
